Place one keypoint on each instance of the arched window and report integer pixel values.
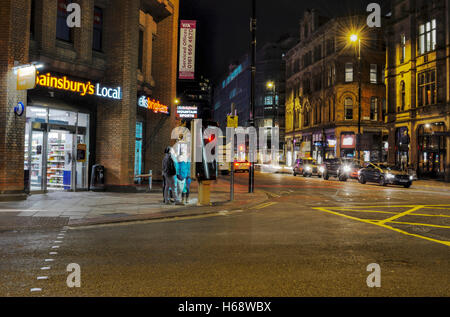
(348, 108)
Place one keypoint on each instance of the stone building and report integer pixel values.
(418, 86)
(322, 90)
(107, 87)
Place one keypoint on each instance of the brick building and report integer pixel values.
(322, 90)
(418, 86)
(121, 64)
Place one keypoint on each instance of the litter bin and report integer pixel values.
(97, 178)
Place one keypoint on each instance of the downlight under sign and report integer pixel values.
(82, 88)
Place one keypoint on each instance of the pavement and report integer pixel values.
(91, 208)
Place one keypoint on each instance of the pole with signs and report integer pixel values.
(251, 177)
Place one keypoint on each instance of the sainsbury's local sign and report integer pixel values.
(82, 88)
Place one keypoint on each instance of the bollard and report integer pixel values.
(204, 198)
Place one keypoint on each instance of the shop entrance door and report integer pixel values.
(67, 162)
(35, 160)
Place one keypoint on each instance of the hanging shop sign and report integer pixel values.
(188, 112)
(187, 49)
(348, 141)
(331, 143)
(48, 80)
(153, 105)
(26, 77)
(232, 121)
(19, 109)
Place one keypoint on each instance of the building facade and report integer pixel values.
(418, 86)
(106, 87)
(322, 99)
(198, 94)
(233, 88)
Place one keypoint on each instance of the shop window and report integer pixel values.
(427, 94)
(427, 37)
(373, 74)
(384, 110)
(97, 36)
(138, 150)
(348, 72)
(348, 108)
(402, 48)
(63, 32)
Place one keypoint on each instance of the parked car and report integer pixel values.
(338, 168)
(241, 166)
(307, 167)
(384, 175)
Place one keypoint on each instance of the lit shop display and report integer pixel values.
(56, 143)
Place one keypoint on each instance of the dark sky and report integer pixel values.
(223, 25)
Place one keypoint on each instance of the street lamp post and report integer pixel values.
(251, 177)
(355, 38)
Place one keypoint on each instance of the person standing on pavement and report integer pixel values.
(169, 172)
(183, 175)
(176, 196)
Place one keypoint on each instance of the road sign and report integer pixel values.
(232, 121)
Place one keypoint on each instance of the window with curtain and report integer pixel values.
(373, 73)
(348, 108)
(402, 48)
(427, 93)
(348, 72)
(374, 108)
(427, 37)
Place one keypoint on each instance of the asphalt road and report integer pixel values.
(311, 238)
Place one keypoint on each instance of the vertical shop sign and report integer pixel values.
(187, 49)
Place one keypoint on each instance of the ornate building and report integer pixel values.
(418, 86)
(322, 90)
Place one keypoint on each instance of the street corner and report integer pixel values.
(428, 222)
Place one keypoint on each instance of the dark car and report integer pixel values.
(338, 168)
(384, 175)
(307, 167)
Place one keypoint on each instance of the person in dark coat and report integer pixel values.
(169, 173)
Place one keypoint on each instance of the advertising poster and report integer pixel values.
(187, 49)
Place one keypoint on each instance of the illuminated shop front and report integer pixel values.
(432, 150)
(348, 144)
(59, 142)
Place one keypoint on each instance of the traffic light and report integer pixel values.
(206, 170)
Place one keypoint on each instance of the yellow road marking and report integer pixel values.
(389, 212)
(377, 223)
(390, 206)
(375, 211)
(431, 207)
(427, 215)
(264, 205)
(420, 224)
(400, 215)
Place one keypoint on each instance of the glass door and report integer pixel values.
(59, 160)
(34, 159)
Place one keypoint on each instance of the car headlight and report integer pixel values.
(347, 169)
(308, 168)
(411, 178)
(321, 169)
(389, 176)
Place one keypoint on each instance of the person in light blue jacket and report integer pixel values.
(183, 178)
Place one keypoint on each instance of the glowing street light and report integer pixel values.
(177, 101)
(353, 37)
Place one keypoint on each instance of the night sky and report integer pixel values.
(223, 25)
